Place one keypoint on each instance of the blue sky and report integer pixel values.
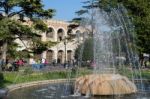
(65, 9)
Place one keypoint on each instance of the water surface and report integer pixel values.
(65, 91)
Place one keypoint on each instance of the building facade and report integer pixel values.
(64, 49)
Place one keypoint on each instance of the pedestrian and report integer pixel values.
(33, 64)
(1, 64)
(42, 62)
(45, 63)
(54, 62)
(20, 62)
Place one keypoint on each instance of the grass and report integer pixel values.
(145, 73)
(27, 75)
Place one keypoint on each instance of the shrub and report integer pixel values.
(1, 77)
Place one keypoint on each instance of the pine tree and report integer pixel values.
(13, 14)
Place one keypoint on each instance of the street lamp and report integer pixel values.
(65, 45)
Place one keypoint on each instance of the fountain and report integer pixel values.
(113, 41)
(105, 84)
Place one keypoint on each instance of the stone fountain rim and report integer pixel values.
(35, 83)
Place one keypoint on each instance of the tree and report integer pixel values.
(138, 12)
(85, 50)
(12, 17)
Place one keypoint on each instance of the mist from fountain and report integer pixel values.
(114, 52)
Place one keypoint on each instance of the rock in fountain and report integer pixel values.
(105, 84)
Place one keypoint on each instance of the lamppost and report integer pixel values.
(65, 45)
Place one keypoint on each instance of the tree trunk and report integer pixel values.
(4, 52)
(0, 68)
(141, 59)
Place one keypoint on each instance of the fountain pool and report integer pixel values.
(58, 91)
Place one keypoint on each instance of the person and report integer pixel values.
(33, 64)
(42, 62)
(9, 67)
(93, 64)
(1, 64)
(45, 63)
(58, 60)
(7, 60)
(54, 62)
(20, 62)
(66, 65)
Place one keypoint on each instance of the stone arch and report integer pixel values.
(60, 56)
(60, 34)
(69, 55)
(49, 56)
(50, 33)
(71, 34)
(69, 31)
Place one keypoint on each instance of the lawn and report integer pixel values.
(27, 75)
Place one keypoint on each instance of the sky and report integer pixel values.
(65, 9)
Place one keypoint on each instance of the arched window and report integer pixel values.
(60, 34)
(50, 33)
(49, 56)
(60, 56)
(69, 55)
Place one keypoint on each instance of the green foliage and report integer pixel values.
(81, 12)
(76, 22)
(40, 25)
(1, 77)
(28, 76)
(139, 10)
(55, 75)
(39, 47)
(139, 13)
(87, 50)
(28, 71)
(2, 81)
(11, 21)
(29, 8)
(12, 29)
(146, 74)
(22, 54)
(50, 43)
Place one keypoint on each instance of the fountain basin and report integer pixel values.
(104, 84)
(54, 90)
